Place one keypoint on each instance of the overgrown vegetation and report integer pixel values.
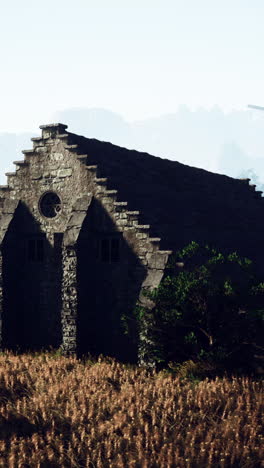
(203, 409)
(61, 412)
(208, 308)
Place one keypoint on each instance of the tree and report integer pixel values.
(209, 307)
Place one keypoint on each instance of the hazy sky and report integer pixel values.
(139, 58)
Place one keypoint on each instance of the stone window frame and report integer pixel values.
(40, 207)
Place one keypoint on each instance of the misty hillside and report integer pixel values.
(231, 144)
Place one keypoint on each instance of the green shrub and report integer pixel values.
(212, 309)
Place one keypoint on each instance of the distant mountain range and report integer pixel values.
(231, 144)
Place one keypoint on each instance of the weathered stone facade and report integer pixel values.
(75, 251)
(74, 258)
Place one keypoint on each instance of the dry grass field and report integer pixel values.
(61, 412)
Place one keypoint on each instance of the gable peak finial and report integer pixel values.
(53, 129)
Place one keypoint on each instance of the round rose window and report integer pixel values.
(50, 205)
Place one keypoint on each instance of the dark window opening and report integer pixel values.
(114, 250)
(110, 250)
(105, 250)
(58, 238)
(50, 205)
(35, 250)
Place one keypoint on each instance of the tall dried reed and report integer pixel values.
(61, 412)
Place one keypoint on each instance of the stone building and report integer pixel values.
(86, 226)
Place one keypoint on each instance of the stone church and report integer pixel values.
(86, 226)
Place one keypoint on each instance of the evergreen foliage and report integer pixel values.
(208, 306)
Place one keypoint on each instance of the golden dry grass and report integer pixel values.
(60, 412)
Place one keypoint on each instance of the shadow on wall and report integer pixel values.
(109, 278)
(32, 276)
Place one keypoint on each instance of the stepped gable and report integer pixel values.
(181, 203)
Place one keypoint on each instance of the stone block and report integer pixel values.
(141, 235)
(83, 203)
(77, 218)
(157, 260)
(36, 175)
(41, 149)
(121, 222)
(5, 221)
(10, 206)
(57, 156)
(153, 278)
(64, 172)
(71, 236)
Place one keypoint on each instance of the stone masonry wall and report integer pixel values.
(56, 164)
(69, 301)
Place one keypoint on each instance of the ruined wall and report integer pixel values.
(35, 305)
(106, 290)
(56, 164)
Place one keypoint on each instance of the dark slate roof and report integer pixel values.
(181, 203)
